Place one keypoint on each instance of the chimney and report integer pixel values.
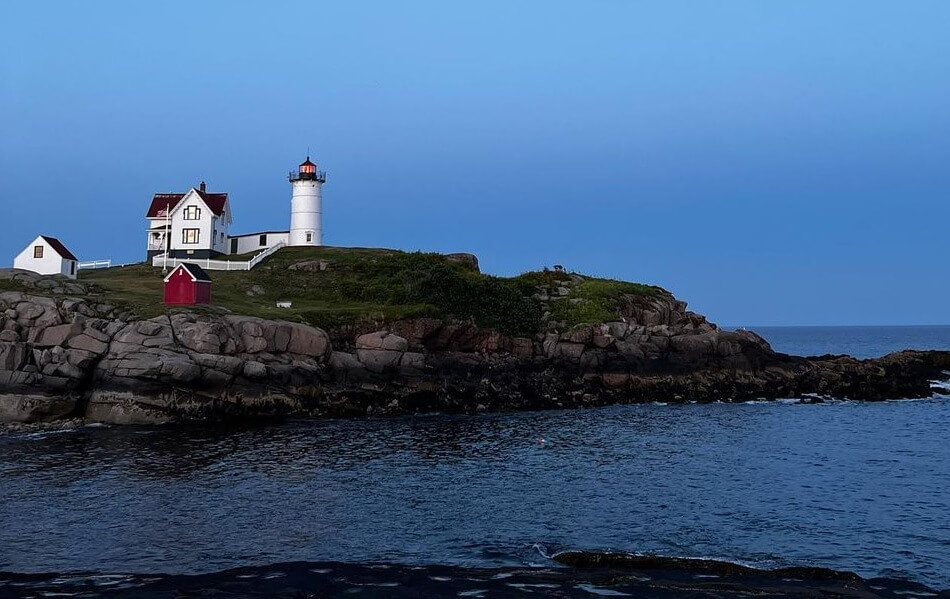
(201, 187)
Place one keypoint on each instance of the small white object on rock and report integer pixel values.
(284, 304)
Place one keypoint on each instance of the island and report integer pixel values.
(353, 332)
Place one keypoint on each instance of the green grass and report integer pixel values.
(600, 300)
(380, 285)
(8, 285)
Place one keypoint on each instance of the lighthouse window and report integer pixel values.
(37, 251)
(309, 237)
(263, 240)
(189, 235)
(192, 213)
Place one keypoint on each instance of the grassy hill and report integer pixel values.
(336, 286)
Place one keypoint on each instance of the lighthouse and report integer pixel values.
(306, 213)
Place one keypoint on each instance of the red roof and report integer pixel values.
(59, 248)
(214, 201)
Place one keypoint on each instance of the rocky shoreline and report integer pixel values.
(588, 575)
(69, 359)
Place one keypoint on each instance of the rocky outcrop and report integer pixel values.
(68, 358)
(310, 266)
(588, 577)
(55, 285)
(469, 261)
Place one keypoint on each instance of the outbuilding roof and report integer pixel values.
(59, 248)
(163, 201)
(284, 232)
(197, 273)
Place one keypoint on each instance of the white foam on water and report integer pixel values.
(45, 434)
(108, 580)
(593, 590)
(908, 399)
(542, 550)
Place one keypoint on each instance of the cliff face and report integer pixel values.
(66, 358)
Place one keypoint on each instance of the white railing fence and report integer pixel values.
(209, 264)
(206, 264)
(257, 259)
(94, 264)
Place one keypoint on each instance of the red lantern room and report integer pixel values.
(307, 171)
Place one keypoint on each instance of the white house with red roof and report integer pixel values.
(193, 224)
(47, 256)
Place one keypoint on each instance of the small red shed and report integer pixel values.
(186, 285)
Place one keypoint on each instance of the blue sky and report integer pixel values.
(770, 162)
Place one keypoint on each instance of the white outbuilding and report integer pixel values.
(47, 256)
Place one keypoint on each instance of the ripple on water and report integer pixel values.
(845, 485)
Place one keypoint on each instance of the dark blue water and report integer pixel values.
(861, 342)
(847, 485)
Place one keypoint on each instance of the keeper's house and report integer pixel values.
(190, 225)
(47, 256)
(188, 284)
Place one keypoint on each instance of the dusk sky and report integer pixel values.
(770, 162)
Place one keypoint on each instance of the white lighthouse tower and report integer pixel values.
(306, 212)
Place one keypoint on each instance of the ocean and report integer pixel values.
(857, 341)
(845, 485)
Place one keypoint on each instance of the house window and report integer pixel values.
(222, 237)
(37, 251)
(189, 235)
(192, 213)
(72, 268)
(309, 236)
(263, 240)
